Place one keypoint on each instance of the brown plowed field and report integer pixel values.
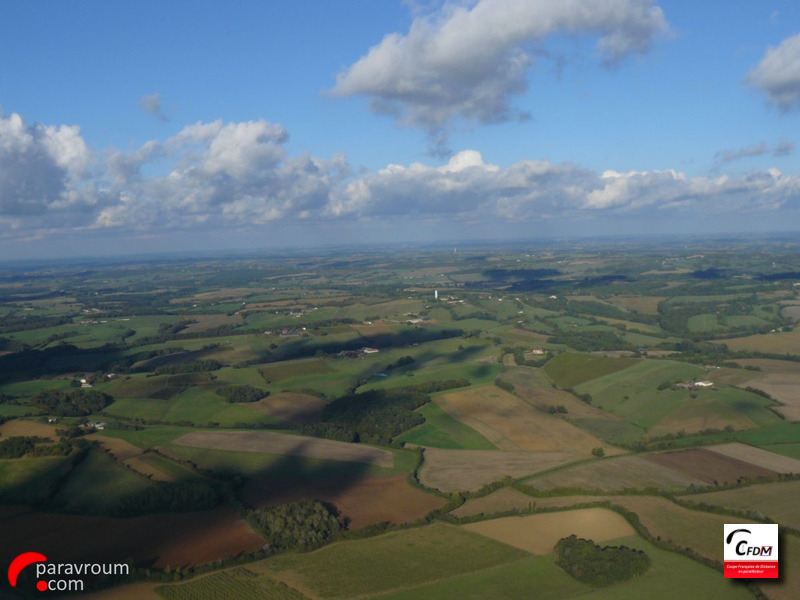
(175, 539)
(759, 457)
(292, 407)
(512, 424)
(364, 502)
(538, 534)
(293, 445)
(707, 466)
(456, 470)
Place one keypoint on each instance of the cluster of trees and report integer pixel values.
(192, 366)
(589, 563)
(303, 525)
(375, 416)
(242, 393)
(170, 497)
(19, 446)
(74, 403)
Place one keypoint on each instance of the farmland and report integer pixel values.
(179, 406)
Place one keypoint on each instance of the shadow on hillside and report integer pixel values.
(149, 540)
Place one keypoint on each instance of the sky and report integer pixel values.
(130, 127)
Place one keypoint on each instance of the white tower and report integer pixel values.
(435, 294)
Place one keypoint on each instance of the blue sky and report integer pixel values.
(190, 125)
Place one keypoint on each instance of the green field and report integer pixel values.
(539, 578)
(570, 368)
(393, 560)
(190, 405)
(440, 430)
(97, 485)
(31, 480)
(240, 583)
(702, 323)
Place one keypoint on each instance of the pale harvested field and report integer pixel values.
(759, 457)
(21, 427)
(700, 415)
(785, 388)
(533, 386)
(291, 406)
(779, 378)
(778, 501)
(538, 534)
(512, 424)
(119, 448)
(769, 365)
(616, 474)
(792, 312)
(206, 322)
(293, 445)
(783, 342)
(456, 470)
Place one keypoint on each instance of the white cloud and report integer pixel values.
(40, 166)
(778, 74)
(216, 178)
(468, 60)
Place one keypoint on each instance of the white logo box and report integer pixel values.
(751, 550)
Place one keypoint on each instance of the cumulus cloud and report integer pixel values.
(220, 173)
(151, 103)
(469, 60)
(778, 74)
(223, 177)
(40, 166)
(469, 189)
